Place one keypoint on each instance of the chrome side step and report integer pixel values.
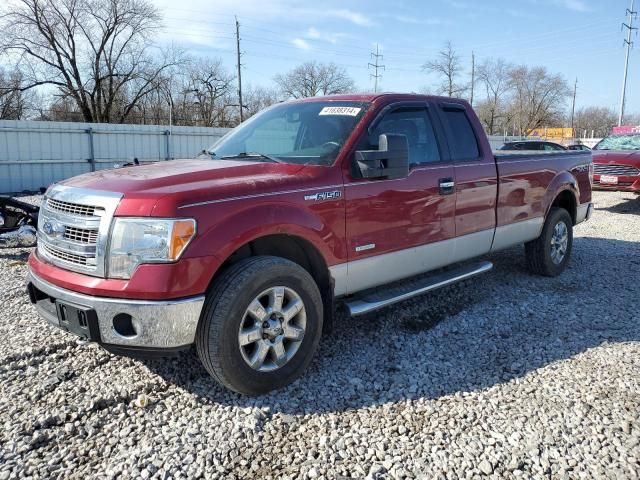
(376, 299)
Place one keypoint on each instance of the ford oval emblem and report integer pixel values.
(53, 228)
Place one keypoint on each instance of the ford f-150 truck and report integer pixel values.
(246, 251)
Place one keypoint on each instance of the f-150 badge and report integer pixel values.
(323, 196)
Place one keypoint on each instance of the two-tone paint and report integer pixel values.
(368, 232)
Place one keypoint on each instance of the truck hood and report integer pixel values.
(617, 157)
(159, 188)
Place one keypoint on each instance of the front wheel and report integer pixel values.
(549, 254)
(261, 325)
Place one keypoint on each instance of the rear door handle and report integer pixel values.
(447, 186)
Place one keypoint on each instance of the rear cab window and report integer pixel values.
(461, 135)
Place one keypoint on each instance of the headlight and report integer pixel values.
(135, 241)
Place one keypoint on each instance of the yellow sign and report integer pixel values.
(553, 133)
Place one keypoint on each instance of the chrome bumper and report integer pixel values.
(584, 212)
(167, 324)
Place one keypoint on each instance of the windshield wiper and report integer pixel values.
(252, 156)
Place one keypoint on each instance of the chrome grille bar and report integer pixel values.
(81, 235)
(73, 208)
(619, 170)
(68, 257)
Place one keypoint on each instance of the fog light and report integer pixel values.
(123, 325)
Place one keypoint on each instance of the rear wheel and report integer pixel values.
(549, 254)
(261, 325)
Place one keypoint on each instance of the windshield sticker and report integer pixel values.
(349, 111)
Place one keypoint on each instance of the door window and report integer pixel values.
(415, 124)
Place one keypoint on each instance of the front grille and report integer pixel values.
(73, 226)
(618, 170)
(67, 257)
(73, 208)
(81, 235)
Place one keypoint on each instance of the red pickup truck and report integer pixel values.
(246, 251)
(616, 162)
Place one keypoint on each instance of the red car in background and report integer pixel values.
(616, 162)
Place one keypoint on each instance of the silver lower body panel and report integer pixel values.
(584, 212)
(165, 324)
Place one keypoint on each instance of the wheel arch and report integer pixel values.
(297, 249)
(563, 192)
(566, 199)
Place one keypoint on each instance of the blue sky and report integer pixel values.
(576, 38)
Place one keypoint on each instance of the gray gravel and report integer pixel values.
(507, 375)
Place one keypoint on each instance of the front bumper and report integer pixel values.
(625, 184)
(148, 325)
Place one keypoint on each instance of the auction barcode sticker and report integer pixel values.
(349, 111)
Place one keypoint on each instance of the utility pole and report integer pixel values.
(630, 28)
(473, 76)
(239, 70)
(573, 106)
(377, 56)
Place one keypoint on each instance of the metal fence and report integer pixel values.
(36, 154)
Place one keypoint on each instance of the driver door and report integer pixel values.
(401, 227)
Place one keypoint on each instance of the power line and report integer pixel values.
(205, 16)
(377, 56)
(630, 28)
(349, 51)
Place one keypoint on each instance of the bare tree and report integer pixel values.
(208, 93)
(312, 79)
(14, 103)
(97, 52)
(599, 120)
(448, 67)
(632, 118)
(539, 97)
(258, 98)
(494, 76)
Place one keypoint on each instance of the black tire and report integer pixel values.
(538, 251)
(224, 309)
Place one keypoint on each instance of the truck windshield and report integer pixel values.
(619, 142)
(303, 133)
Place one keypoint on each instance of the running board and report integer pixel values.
(374, 300)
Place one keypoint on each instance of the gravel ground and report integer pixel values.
(507, 375)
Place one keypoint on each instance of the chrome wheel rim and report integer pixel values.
(272, 329)
(559, 243)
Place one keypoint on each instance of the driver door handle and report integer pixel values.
(447, 186)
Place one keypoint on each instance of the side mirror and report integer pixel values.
(391, 160)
